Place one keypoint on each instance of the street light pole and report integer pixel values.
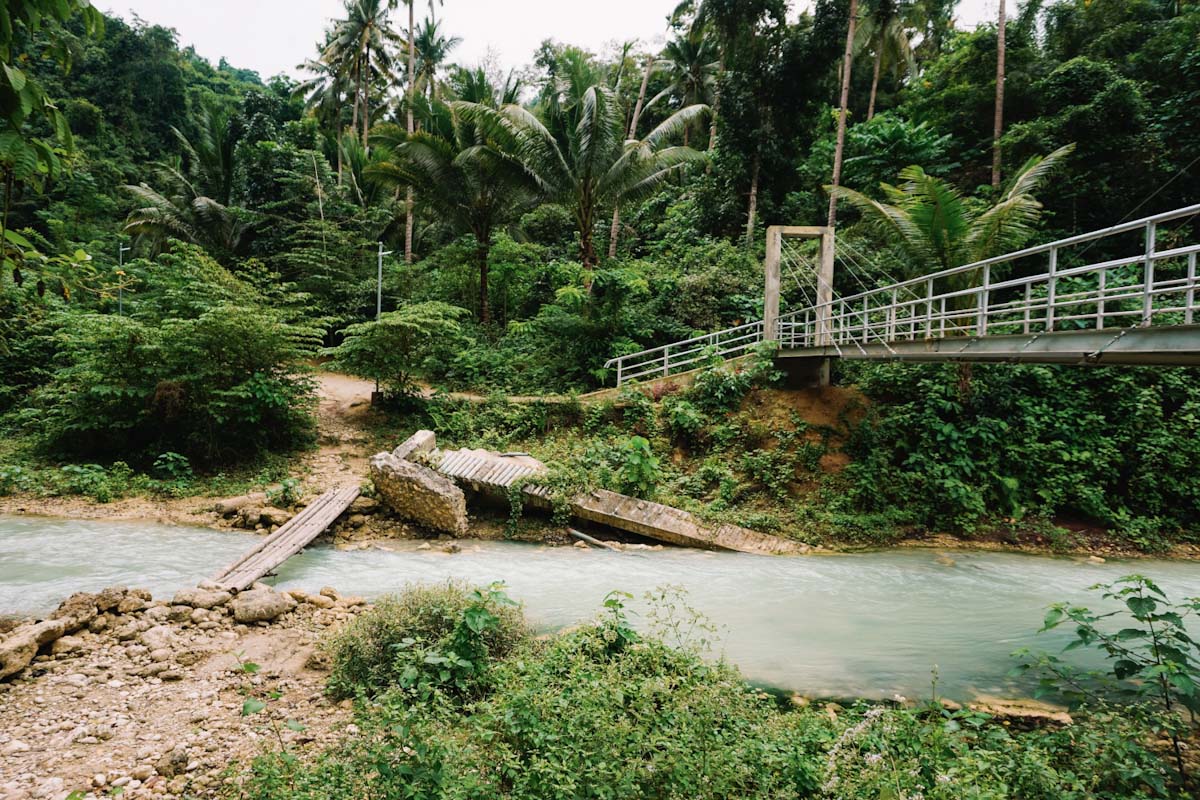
(379, 283)
(121, 251)
(379, 295)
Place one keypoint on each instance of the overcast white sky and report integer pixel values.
(273, 36)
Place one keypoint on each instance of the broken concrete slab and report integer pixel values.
(417, 493)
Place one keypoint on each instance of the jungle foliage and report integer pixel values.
(181, 238)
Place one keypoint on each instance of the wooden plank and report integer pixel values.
(290, 539)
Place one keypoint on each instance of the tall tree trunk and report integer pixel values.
(482, 245)
(998, 126)
(875, 83)
(357, 86)
(614, 232)
(847, 62)
(408, 200)
(366, 120)
(716, 106)
(753, 205)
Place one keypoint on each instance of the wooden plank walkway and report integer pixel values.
(291, 538)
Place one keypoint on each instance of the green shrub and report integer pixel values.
(371, 654)
(640, 471)
(958, 447)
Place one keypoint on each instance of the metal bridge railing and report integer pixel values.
(659, 362)
(1150, 287)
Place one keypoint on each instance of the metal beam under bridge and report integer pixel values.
(1174, 346)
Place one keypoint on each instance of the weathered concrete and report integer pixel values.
(668, 524)
(420, 443)
(419, 494)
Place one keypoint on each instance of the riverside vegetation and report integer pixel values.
(182, 241)
(456, 699)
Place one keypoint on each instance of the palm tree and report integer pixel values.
(588, 166)
(467, 181)
(840, 147)
(184, 214)
(885, 31)
(691, 62)
(208, 154)
(359, 47)
(998, 124)
(324, 94)
(939, 229)
(432, 50)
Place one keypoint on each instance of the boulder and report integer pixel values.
(201, 598)
(17, 651)
(232, 505)
(159, 637)
(364, 505)
(274, 516)
(261, 605)
(108, 599)
(77, 610)
(419, 494)
(67, 644)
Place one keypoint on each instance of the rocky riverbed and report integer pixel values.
(116, 690)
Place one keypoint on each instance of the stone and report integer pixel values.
(49, 788)
(419, 494)
(172, 764)
(180, 613)
(159, 637)
(364, 505)
(582, 545)
(142, 772)
(161, 654)
(201, 598)
(261, 606)
(199, 615)
(320, 601)
(131, 603)
(275, 516)
(100, 623)
(67, 644)
(451, 547)
(19, 647)
(77, 610)
(108, 599)
(232, 505)
(356, 521)
(14, 747)
(330, 592)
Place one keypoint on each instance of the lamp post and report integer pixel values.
(379, 295)
(379, 283)
(121, 251)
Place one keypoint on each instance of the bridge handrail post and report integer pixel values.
(666, 361)
(1190, 301)
(1051, 287)
(1148, 277)
(891, 317)
(929, 309)
(982, 321)
(1028, 303)
(866, 332)
(1103, 284)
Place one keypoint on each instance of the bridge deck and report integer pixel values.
(1177, 345)
(290, 539)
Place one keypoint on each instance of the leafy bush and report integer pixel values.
(392, 349)
(1112, 445)
(639, 467)
(375, 651)
(604, 712)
